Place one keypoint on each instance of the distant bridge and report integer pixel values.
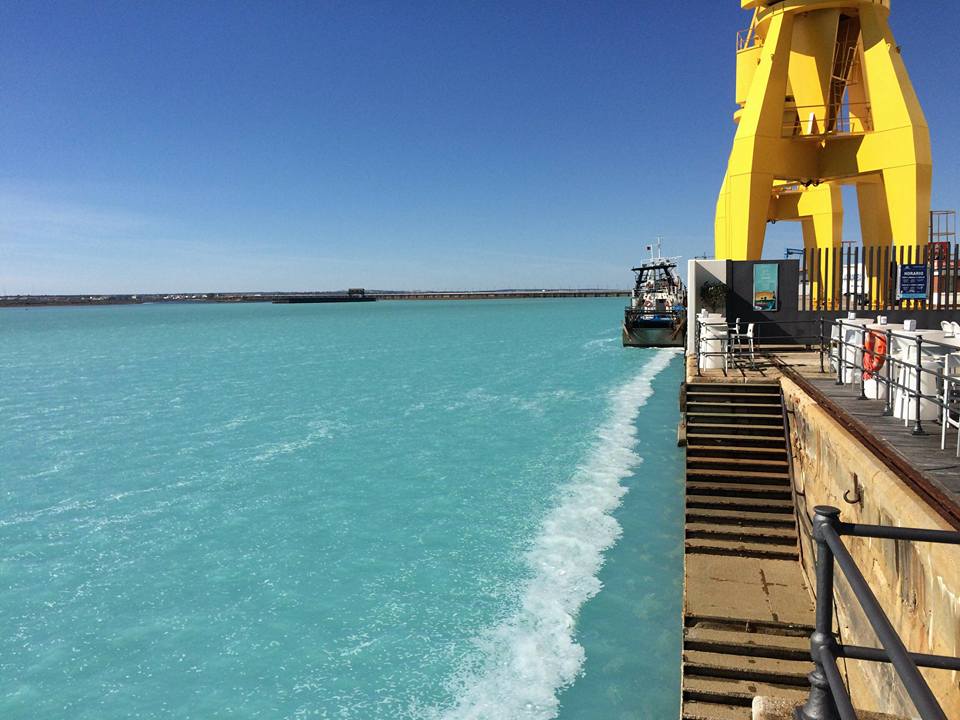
(234, 297)
(499, 294)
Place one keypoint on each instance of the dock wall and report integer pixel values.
(918, 584)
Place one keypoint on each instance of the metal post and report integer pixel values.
(863, 362)
(840, 349)
(696, 341)
(917, 426)
(821, 345)
(820, 704)
(888, 407)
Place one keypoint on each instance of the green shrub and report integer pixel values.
(713, 295)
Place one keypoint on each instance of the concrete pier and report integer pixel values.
(750, 556)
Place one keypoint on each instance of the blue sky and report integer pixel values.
(183, 146)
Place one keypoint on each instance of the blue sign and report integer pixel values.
(913, 282)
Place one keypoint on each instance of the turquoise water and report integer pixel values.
(384, 510)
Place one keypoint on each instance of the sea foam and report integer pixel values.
(525, 660)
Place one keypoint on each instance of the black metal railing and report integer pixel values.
(904, 376)
(864, 278)
(829, 697)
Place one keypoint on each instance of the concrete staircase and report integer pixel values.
(740, 525)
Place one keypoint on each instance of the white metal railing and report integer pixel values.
(915, 372)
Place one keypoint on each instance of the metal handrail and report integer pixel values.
(734, 354)
(844, 365)
(842, 122)
(746, 38)
(829, 697)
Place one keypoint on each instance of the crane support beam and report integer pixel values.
(824, 100)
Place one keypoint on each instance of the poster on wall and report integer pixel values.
(766, 284)
(912, 283)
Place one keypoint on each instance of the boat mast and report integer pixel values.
(656, 254)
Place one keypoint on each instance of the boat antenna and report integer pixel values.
(650, 249)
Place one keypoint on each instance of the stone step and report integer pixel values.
(694, 405)
(735, 642)
(728, 440)
(739, 388)
(721, 396)
(738, 490)
(742, 429)
(725, 475)
(756, 408)
(771, 388)
(727, 419)
(772, 508)
(725, 396)
(729, 415)
(730, 691)
(737, 463)
(693, 710)
(709, 531)
(757, 550)
(750, 667)
(738, 450)
(750, 626)
(743, 519)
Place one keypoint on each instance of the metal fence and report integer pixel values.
(829, 697)
(907, 384)
(866, 278)
(738, 344)
(921, 383)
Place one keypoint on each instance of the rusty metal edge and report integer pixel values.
(938, 500)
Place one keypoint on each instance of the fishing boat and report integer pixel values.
(657, 314)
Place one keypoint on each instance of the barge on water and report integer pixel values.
(657, 314)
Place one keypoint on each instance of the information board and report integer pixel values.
(766, 285)
(913, 283)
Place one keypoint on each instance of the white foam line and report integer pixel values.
(532, 655)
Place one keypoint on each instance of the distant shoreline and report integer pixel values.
(269, 297)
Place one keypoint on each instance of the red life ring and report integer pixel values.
(874, 353)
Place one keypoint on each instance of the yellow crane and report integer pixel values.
(824, 100)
